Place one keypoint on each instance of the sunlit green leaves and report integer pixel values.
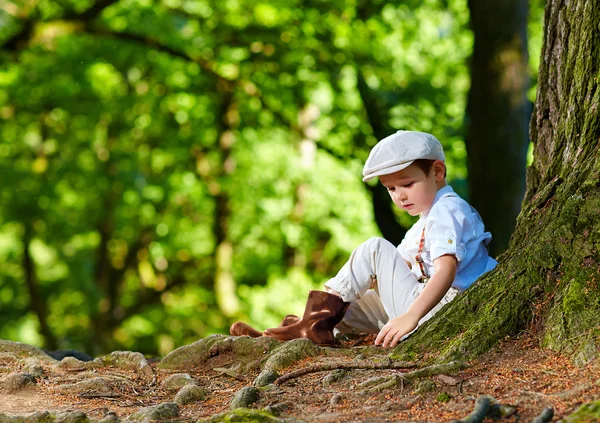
(134, 143)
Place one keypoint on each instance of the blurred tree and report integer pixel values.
(498, 114)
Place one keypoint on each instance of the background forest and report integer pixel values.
(171, 166)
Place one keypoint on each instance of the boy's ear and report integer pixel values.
(439, 170)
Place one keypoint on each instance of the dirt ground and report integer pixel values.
(515, 373)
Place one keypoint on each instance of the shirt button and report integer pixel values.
(449, 241)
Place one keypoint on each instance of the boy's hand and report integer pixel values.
(395, 329)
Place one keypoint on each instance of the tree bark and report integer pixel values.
(223, 282)
(548, 282)
(497, 114)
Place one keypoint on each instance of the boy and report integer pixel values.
(391, 291)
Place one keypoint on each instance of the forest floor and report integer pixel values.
(516, 372)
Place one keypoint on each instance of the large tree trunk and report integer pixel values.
(548, 282)
(497, 114)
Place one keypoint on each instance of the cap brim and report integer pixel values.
(386, 171)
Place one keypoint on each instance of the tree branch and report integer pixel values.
(91, 13)
(157, 45)
(152, 296)
(24, 35)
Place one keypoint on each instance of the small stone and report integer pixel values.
(163, 411)
(266, 377)
(17, 381)
(336, 399)
(110, 417)
(71, 363)
(333, 377)
(177, 381)
(71, 417)
(244, 397)
(37, 417)
(277, 409)
(190, 394)
(33, 367)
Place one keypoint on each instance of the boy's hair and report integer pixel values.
(426, 165)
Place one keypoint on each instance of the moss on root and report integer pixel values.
(587, 413)
(246, 415)
(548, 283)
(245, 349)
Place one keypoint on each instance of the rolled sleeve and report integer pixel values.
(446, 227)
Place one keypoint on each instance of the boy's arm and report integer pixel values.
(434, 291)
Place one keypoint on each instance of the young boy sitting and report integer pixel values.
(391, 291)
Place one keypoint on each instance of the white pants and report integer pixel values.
(379, 284)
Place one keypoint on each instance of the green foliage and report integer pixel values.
(160, 157)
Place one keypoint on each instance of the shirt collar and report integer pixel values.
(442, 191)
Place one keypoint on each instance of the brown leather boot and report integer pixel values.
(241, 328)
(323, 311)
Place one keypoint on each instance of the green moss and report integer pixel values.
(443, 397)
(575, 297)
(244, 349)
(405, 352)
(587, 413)
(290, 352)
(244, 415)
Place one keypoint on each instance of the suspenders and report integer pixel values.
(425, 276)
(419, 259)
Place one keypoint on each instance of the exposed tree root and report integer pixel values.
(405, 377)
(435, 369)
(487, 406)
(401, 378)
(482, 407)
(386, 383)
(352, 365)
(545, 416)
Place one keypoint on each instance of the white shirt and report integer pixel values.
(452, 226)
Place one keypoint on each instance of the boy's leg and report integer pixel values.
(365, 315)
(377, 264)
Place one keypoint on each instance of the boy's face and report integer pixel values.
(412, 190)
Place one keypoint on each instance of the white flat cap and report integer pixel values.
(399, 150)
